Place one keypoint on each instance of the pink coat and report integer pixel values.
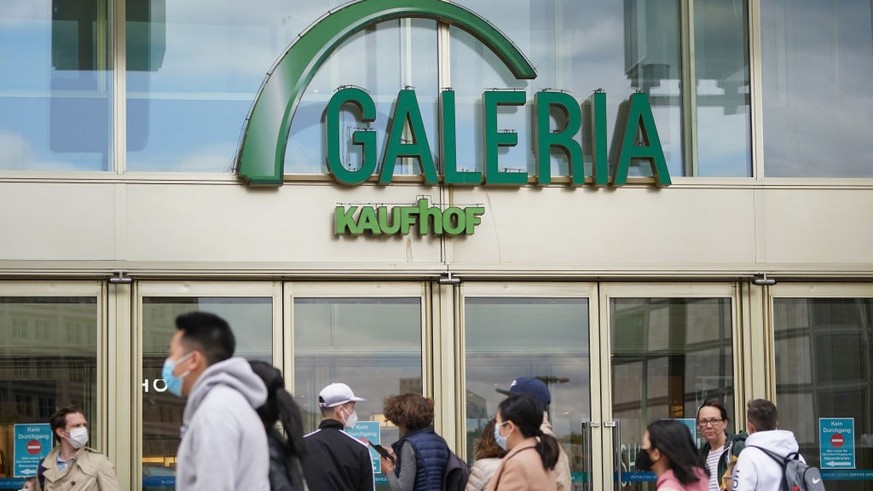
(522, 470)
(668, 482)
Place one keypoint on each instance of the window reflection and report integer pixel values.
(37, 378)
(818, 114)
(669, 355)
(824, 359)
(371, 344)
(502, 346)
(251, 320)
(57, 75)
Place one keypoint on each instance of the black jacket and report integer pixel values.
(336, 461)
(285, 472)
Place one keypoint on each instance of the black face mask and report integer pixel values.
(643, 461)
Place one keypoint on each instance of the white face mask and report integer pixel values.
(78, 437)
(351, 420)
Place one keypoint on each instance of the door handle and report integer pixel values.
(587, 434)
(616, 451)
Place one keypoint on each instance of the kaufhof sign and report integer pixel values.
(260, 159)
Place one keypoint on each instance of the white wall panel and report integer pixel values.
(57, 221)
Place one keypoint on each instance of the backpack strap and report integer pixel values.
(779, 460)
(40, 473)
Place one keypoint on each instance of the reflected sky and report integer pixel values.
(209, 58)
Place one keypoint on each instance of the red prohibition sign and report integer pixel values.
(33, 447)
(837, 440)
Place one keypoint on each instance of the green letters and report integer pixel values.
(365, 138)
(562, 139)
(373, 220)
(406, 111)
(640, 121)
(495, 139)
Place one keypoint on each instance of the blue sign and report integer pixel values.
(691, 423)
(32, 443)
(837, 440)
(368, 431)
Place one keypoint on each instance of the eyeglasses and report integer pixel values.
(709, 422)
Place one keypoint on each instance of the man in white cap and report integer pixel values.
(336, 461)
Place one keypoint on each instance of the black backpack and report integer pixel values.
(798, 476)
(456, 474)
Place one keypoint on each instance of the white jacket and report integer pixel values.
(224, 443)
(755, 470)
(562, 467)
(481, 472)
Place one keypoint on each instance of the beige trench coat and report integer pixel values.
(89, 470)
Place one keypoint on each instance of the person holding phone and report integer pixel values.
(420, 455)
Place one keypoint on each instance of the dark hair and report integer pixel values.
(59, 418)
(207, 333)
(486, 447)
(762, 414)
(673, 440)
(412, 411)
(527, 414)
(280, 406)
(716, 404)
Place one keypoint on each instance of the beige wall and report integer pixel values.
(691, 228)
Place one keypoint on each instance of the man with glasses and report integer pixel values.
(224, 445)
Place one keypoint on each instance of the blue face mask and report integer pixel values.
(501, 440)
(174, 383)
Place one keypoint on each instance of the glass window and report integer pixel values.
(383, 60)
(621, 48)
(193, 71)
(817, 58)
(501, 346)
(56, 88)
(252, 322)
(37, 378)
(371, 344)
(669, 355)
(824, 369)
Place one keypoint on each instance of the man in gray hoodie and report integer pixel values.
(224, 445)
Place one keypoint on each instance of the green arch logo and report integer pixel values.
(261, 156)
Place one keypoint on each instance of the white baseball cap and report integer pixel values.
(336, 394)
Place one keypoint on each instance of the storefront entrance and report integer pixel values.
(615, 355)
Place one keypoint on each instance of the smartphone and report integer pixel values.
(381, 450)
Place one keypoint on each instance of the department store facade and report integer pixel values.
(708, 234)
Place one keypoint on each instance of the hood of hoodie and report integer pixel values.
(235, 373)
(779, 441)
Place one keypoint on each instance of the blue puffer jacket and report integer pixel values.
(431, 457)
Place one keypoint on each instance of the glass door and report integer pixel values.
(51, 334)
(670, 348)
(536, 330)
(370, 336)
(823, 358)
(253, 310)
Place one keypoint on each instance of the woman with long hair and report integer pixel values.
(488, 455)
(531, 455)
(721, 448)
(669, 451)
(286, 453)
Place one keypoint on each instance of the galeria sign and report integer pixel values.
(415, 145)
(261, 155)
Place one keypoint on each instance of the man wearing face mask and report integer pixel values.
(336, 461)
(71, 465)
(223, 445)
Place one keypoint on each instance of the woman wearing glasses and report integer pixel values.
(721, 449)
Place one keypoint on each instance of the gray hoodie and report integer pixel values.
(224, 444)
(757, 471)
